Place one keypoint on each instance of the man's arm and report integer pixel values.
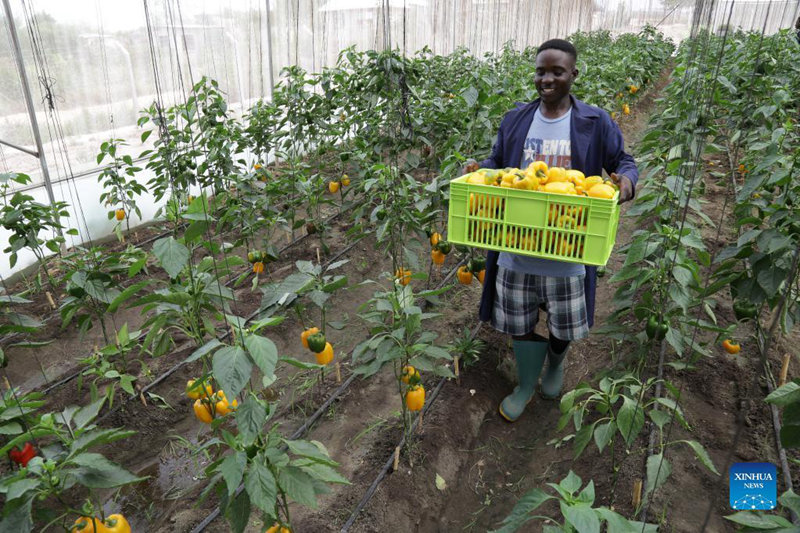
(617, 162)
(495, 160)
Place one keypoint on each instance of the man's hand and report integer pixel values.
(470, 165)
(625, 186)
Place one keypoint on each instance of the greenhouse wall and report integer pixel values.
(92, 68)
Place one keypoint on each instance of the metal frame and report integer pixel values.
(26, 91)
(269, 43)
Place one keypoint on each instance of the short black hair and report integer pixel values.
(558, 44)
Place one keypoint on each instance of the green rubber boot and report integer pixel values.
(553, 378)
(530, 359)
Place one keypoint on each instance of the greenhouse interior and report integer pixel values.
(259, 256)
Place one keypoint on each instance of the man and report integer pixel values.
(562, 131)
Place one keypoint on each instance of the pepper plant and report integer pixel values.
(195, 295)
(275, 471)
(577, 511)
(173, 157)
(62, 470)
(32, 225)
(397, 337)
(119, 183)
(94, 285)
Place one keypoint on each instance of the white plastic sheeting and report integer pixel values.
(96, 67)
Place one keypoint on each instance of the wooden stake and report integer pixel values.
(636, 497)
(338, 373)
(396, 464)
(319, 261)
(784, 369)
(455, 368)
(419, 424)
(50, 299)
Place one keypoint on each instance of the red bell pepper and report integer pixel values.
(21, 457)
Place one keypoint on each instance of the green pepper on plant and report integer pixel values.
(656, 328)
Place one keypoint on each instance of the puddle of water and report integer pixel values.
(172, 475)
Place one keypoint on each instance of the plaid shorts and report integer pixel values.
(516, 304)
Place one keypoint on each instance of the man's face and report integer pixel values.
(555, 72)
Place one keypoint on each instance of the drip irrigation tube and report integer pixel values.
(389, 462)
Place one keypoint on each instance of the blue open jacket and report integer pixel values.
(597, 145)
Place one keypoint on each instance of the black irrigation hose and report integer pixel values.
(282, 250)
(388, 465)
(303, 429)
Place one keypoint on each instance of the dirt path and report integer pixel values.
(487, 463)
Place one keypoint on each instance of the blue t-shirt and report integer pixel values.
(548, 140)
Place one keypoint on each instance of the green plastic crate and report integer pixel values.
(574, 229)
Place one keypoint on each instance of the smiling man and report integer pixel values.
(561, 131)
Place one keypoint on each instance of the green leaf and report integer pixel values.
(126, 294)
(97, 437)
(470, 96)
(338, 283)
(232, 369)
(785, 395)
(250, 418)
(264, 353)
(232, 470)
(603, 433)
(19, 487)
(238, 512)
(97, 472)
(531, 501)
(10, 428)
(195, 230)
(298, 486)
(319, 298)
(583, 438)
(701, 454)
(266, 322)
(571, 483)
(298, 363)
(321, 472)
(86, 414)
(790, 500)
(753, 520)
(260, 485)
(581, 516)
(630, 420)
(172, 255)
(618, 523)
(659, 418)
(587, 494)
(658, 471)
(310, 450)
(204, 349)
(771, 279)
(17, 516)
